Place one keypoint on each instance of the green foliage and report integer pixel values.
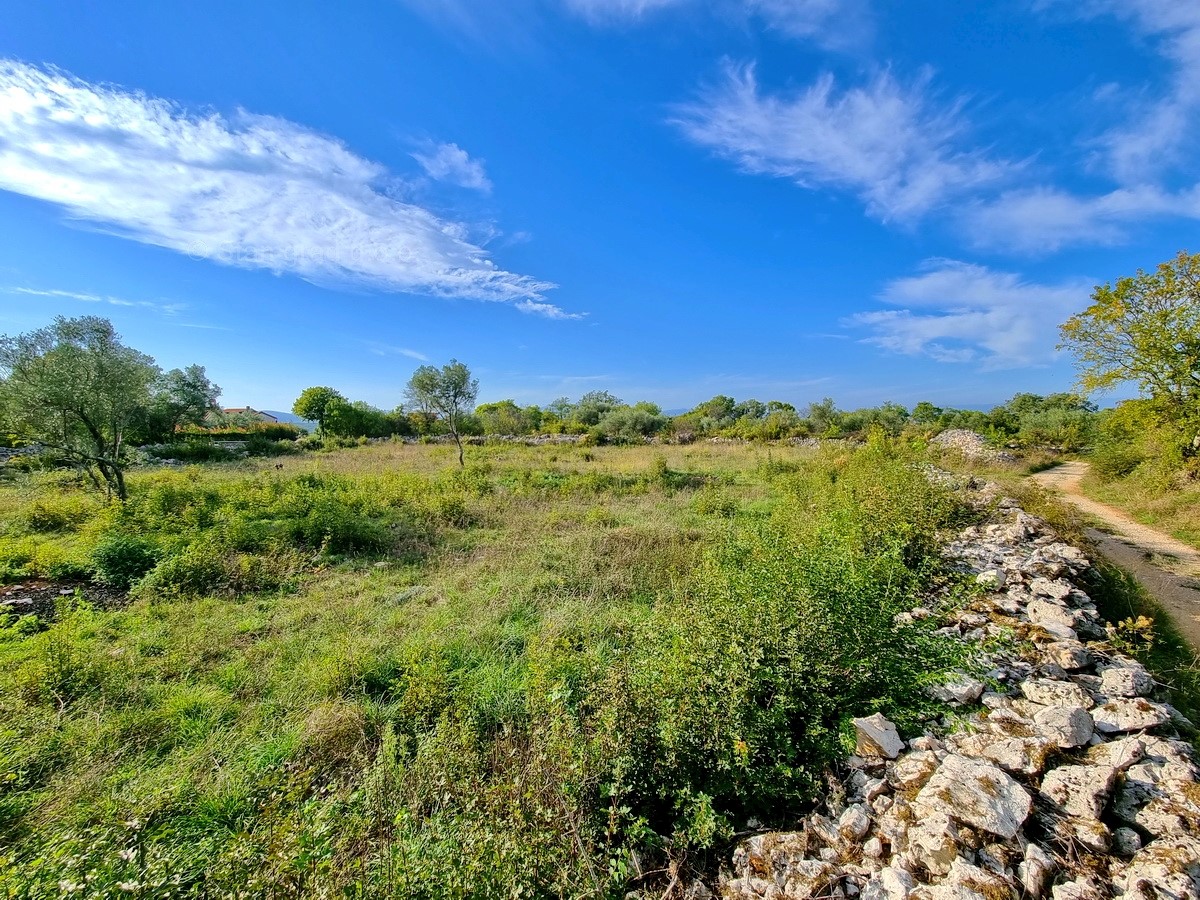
(313, 404)
(448, 392)
(628, 650)
(1143, 329)
(122, 560)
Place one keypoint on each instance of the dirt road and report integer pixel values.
(1168, 569)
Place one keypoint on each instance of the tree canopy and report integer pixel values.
(448, 392)
(1143, 329)
(313, 404)
(75, 388)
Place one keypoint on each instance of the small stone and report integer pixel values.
(1126, 841)
(1056, 589)
(1036, 870)
(911, 771)
(1119, 754)
(1135, 714)
(978, 794)
(876, 736)
(1065, 726)
(1056, 693)
(1081, 889)
(1019, 755)
(1070, 655)
(933, 843)
(854, 823)
(1126, 681)
(961, 689)
(889, 883)
(1080, 791)
(968, 882)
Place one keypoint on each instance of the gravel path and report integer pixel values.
(1168, 568)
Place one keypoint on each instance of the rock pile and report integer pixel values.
(970, 444)
(1064, 775)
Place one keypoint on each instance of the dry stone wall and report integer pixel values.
(1065, 776)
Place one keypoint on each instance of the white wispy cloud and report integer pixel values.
(836, 24)
(893, 145)
(245, 190)
(1149, 157)
(963, 313)
(169, 309)
(450, 163)
(390, 350)
(1045, 219)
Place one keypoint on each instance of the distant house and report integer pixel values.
(252, 413)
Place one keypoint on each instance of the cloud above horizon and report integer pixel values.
(964, 313)
(452, 164)
(888, 143)
(247, 190)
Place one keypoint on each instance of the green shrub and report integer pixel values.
(123, 560)
(195, 451)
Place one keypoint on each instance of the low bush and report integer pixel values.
(122, 560)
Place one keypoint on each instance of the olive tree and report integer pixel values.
(179, 397)
(75, 388)
(448, 392)
(1143, 329)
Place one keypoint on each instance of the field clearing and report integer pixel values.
(372, 673)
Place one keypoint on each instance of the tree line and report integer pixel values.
(75, 388)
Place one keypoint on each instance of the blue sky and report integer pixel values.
(781, 199)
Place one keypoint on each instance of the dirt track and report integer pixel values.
(1169, 569)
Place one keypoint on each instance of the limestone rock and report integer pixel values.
(1019, 755)
(889, 883)
(854, 823)
(1065, 726)
(1056, 693)
(911, 771)
(968, 882)
(1130, 680)
(1165, 869)
(1070, 655)
(1056, 589)
(1119, 754)
(1036, 870)
(961, 689)
(978, 794)
(876, 736)
(1080, 791)
(933, 843)
(1080, 889)
(1122, 715)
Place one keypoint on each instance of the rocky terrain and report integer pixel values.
(1064, 775)
(969, 444)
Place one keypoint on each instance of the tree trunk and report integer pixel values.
(458, 440)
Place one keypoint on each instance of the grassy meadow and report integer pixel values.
(558, 672)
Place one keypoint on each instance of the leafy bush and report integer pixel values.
(122, 560)
(195, 451)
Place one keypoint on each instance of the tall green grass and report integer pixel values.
(376, 675)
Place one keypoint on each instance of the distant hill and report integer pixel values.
(288, 418)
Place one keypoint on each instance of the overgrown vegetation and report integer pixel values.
(378, 674)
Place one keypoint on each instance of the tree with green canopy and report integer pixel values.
(313, 404)
(1143, 329)
(448, 392)
(75, 388)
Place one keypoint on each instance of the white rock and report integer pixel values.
(1119, 754)
(968, 882)
(889, 883)
(933, 842)
(1056, 693)
(1080, 889)
(1036, 870)
(961, 689)
(876, 736)
(854, 823)
(978, 794)
(1046, 612)
(1070, 655)
(1056, 589)
(911, 771)
(873, 848)
(1020, 755)
(1065, 726)
(1165, 869)
(1122, 714)
(1080, 791)
(1130, 680)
